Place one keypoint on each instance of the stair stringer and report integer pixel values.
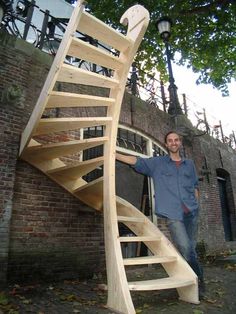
(52, 77)
(119, 297)
(163, 248)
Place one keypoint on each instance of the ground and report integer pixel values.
(86, 296)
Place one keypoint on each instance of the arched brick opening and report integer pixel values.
(227, 204)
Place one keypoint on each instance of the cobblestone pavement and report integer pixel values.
(86, 297)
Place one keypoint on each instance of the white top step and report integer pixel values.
(140, 239)
(160, 284)
(149, 260)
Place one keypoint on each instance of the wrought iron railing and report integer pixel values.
(18, 22)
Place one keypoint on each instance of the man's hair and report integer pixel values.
(171, 132)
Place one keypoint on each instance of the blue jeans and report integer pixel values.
(183, 234)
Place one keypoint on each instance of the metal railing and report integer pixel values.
(18, 22)
(154, 92)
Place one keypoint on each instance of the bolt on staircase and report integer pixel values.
(39, 148)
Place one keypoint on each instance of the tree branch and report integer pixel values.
(207, 8)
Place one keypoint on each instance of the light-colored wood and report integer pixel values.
(91, 194)
(100, 193)
(95, 28)
(55, 150)
(161, 248)
(51, 125)
(69, 184)
(140, 239)
(160, 284)
(70, 74)
(119, 297)
(63, 99)
(52, 76)
(90, 53)
(130, 219)
(147, 260)
(76, 169)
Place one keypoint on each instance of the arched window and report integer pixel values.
(134, 187)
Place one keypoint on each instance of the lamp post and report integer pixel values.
(163, 25)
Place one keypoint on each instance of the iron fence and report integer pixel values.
(18, 22)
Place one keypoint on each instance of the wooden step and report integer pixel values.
(63, 100)
(146, 260)
(71, 74)
(77, 169)
(55, 150)
(130, 219)
(51, 125)
(95, 28)
(69, 184)
(160, 284)
(91, 193)
(139, 239)
(85, 51)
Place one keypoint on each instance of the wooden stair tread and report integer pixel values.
(54, 150)
(139, 239)
(85, 51)
(77, 169)
(65, 99)
(130, 219)
(143, 260)
(93, 184)
(51, 125)
(160, 284)
(91, 193)
(95, 28)
(71, 74)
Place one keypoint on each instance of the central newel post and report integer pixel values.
(119, 298)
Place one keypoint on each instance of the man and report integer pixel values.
(176, 196)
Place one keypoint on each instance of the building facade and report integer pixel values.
(45, 231)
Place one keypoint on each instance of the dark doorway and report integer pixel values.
(227, 204)
(225, 209)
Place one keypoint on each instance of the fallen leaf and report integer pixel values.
(13, 312)
(211, 301)
(220, 305)
(102, 287)
(230, 266)
(145, 306)
(3, 299)
(220, 293)
(198, 312)
(27, 301)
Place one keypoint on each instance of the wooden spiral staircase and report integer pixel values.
(39, 148)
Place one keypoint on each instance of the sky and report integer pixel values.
(205, 96)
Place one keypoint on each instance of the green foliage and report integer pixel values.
(203, 35)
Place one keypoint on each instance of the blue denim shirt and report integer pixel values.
(174, 186)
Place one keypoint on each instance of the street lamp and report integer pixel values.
(163, 26)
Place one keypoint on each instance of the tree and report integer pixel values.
(203, 36)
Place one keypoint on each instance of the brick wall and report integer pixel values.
(51, 231)
(45, 231)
